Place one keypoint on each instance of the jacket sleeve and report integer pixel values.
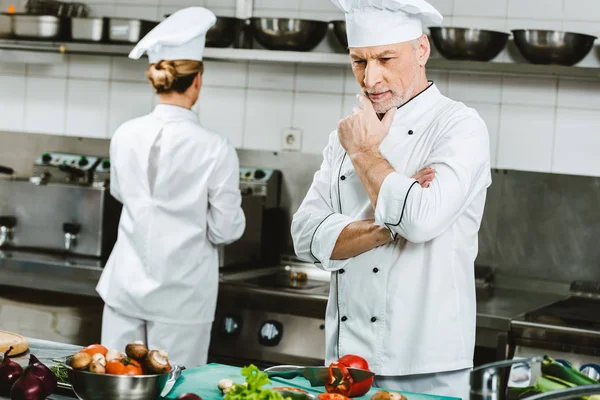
(316, 226)
(226, 220)
(462, 164)
(115, 190)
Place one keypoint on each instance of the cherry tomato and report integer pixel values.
(332, 396)
(123, 366)
(95, 349)
(347, 386)
(291, 389)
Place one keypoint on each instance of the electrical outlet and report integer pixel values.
(291, 139)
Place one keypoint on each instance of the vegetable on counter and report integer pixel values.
(124, 366)
(137, 351)
(95, 349)
(332, 396)
(383, 395)
(347, 386)
(157, 362)
(252, 389)
(61, 372)
(36, 383)
(10, 372)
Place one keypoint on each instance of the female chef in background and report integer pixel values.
(179, 185)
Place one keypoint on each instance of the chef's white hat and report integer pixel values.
(381, 22)
(182, 36)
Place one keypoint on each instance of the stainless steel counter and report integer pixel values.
(45, 351)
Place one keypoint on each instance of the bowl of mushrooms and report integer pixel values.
(98, 373)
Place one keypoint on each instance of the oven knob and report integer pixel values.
(231, 326)
(270, 333)
(46, 158)
(259, 174)
(83, 161)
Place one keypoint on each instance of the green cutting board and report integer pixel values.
(203, 382)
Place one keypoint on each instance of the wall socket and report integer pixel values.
(291, 139)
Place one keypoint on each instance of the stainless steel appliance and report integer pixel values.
(271, 316)
(65, 206)
(89, 29)
(128, 30)
(263, 237)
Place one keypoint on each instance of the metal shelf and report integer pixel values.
(11, 46)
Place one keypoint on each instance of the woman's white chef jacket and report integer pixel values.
(408, 307)
(179, 185)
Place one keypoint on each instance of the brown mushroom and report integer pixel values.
(137, 351)
(157, 362)
(81, 360)
(98, 368)
(396, 396)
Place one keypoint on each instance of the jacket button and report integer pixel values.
(375, 270)
(342, 271)
(373, 319)
(343, 177)
(344, 318)
(410, 132)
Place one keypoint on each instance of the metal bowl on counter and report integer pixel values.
(224, 32)
(288, 33)
(456, 43)
(553, 47)
(91, 386)
(339, 30)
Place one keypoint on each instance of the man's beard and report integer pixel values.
(397, 100)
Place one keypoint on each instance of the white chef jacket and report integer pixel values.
(407, 307)
(179, 185)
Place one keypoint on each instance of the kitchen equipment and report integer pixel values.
(173, 378)
(271, 316)
(6, 26)
(89, 29)
(488, 381)
(56, 8)
(61, 208)
(317, 376)
(18, 343)
(92, 386)
(263, 237)
(224, 32)
(468, 44)
(128, 30)
(570, 393)
(37, 26)
(339, 29)
(288, 33)
(553, 47)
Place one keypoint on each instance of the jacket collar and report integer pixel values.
(170, 112)
(419, 105)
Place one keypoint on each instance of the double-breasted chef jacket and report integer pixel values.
(408, 307)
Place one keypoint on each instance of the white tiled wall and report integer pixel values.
(535, 124)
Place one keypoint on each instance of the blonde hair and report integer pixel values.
(168, 76)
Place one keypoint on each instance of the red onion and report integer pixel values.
(10, 371)
(28, 387)
(43, 373)
(188, 396)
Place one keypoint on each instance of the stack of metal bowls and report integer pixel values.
(552, 47)
(456, 43)
(291, 34)
(224, 32)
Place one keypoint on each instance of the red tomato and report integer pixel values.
(123, 366)
(95, 349)
(347, 386)
(332, 396)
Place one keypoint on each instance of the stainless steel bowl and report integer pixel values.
(224, 32)
(91, 386)
(339, 29)
(456, 43)
(552, 47)
(288, 33)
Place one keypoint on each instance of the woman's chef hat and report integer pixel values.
(381, 22)
(181, 36)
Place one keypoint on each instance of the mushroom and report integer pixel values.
(381, 395)
(396, 396)
(81, 360)
(225, 385)
(97, 368)
(99, 359)
(113, 355)
(157, 362)
(136, 350)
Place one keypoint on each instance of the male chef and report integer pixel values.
(401, 254)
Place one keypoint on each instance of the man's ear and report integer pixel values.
(423, 50)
